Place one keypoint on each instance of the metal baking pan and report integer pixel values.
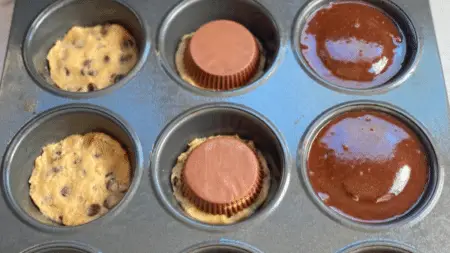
(155, 114)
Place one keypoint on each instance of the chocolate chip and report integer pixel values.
(77, 160)
(56, 169)
(65, 191)
(47, 67)
(112, 185)
(91, 87)
(60, 219)
(58, 152)
(117, 78)
(106, 59)
(82, 72)
(126, 58)
(105, 29)
(93, 210)
(67, 72)
(111, 201)
(175, 181)
(109, 174)
(127, 43)
(92, 73)
(123, 188)
(87, 63)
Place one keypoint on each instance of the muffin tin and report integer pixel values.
(154, 114)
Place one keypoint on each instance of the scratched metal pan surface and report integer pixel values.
(154, 114)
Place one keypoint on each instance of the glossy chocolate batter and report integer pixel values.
(368, 165)
(353, 45)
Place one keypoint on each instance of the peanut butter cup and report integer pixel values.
(368, 165)
(353, 44)
(220, 55)
(221, 176)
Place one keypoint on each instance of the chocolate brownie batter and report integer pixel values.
(353, 45)
(368, 165)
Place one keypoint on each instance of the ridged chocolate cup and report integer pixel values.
(218, 207)
(222, 81)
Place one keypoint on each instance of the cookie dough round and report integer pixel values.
(92, 58)
(202, 216)
(80, 178)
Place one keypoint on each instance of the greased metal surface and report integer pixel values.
(289, 97)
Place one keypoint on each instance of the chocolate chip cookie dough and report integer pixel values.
(92, 58)
(80, 178)
(220, 179)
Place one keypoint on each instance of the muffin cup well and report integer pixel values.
(424, 204)
(405, 25)
(223, 119)
(222, 246)
(52, 126)
(56, 20)
(61, 247)
(186, 17)
(378, 246)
